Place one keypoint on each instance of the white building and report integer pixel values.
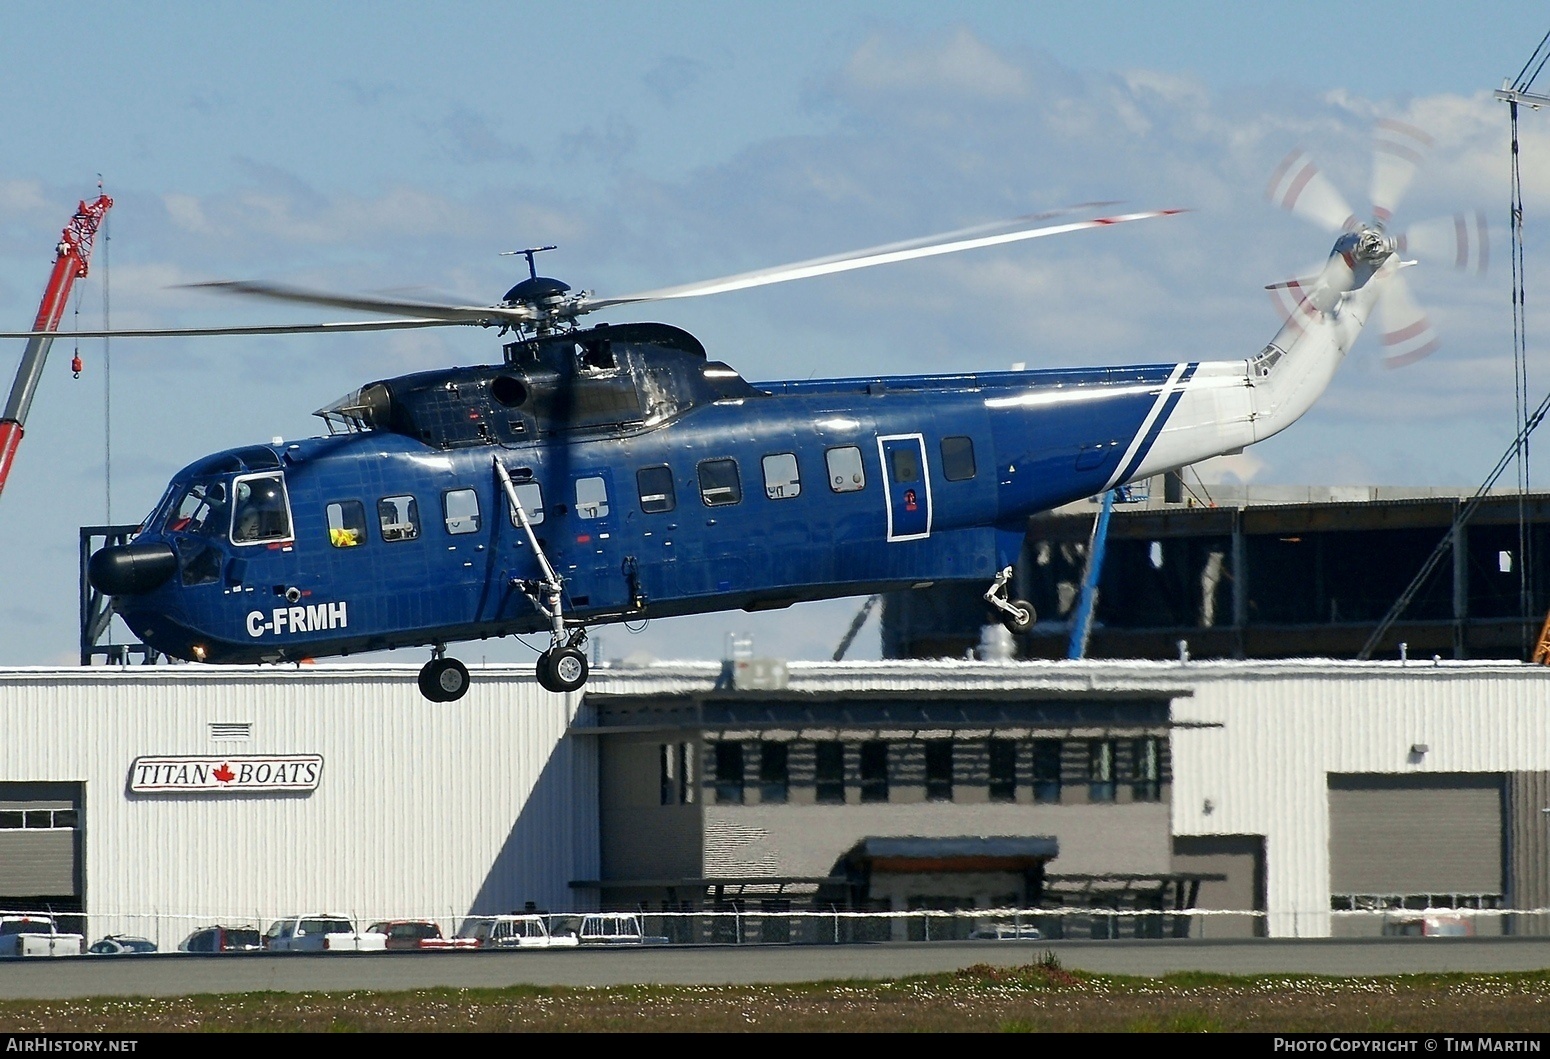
(1312, 786)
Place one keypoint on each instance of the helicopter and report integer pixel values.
(615, 472)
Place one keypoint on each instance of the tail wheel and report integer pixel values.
(1021, 619)
(562, 669)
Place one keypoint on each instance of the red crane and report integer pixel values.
(71, 256)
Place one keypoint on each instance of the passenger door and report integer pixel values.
(908, 485)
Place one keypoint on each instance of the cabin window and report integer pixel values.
(719, 483)
(957, 458)
(781, 480)
(263, 512)
(531, 496)
(846, 474)
(346, 523)
(591, 497)
(399, 517)
(461, 507)
(656, 489)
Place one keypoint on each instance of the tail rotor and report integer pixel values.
(1299, 187)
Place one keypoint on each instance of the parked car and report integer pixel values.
(1006, 932)
(605, 928)
(37, 935)
(514, 932)
(223, 939)
(1429, 926)
(321, 933)
(120, 945)
(418, 934)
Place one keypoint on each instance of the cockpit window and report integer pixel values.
(262, 512)
(202, 509)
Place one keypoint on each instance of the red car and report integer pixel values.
(418, 934)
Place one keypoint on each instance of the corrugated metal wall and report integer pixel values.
(1284, 728)
(422, 810)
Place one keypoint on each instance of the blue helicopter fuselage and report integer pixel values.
(656, 483)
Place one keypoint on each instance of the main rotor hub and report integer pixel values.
(537, 291)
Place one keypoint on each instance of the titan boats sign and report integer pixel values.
(218, 775)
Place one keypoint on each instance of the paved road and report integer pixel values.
(182, 974)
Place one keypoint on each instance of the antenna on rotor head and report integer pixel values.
(532, 270)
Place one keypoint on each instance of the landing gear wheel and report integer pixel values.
(562, 669)
(1022, 618)
(444, 680)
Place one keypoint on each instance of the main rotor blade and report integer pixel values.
(260, 329)
(1407, 332)
(1299, 187)
(465, 314)
(930, 246)
(1398, 150)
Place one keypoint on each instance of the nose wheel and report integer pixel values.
(443, 679)
(562, 669)
(1016, 614)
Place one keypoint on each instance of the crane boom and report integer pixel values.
(70, 264)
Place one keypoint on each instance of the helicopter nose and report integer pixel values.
(129, 569)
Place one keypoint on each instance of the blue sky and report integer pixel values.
(371, 147)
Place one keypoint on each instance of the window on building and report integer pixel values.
(346, 523)
(1100, 770)
(676, 783)
(1003, 770)
(729, 773)
(657, 494)
(531, 496)
(1046, 770)
(774, 779)
(957, 458)
(874, 771)
(781, 480)
(591, 497)
(36, 819)
(829, 772)
(846, 475)
(1145, 771)
(399, 518)
(461, 507)
(719, 483)
(939, 770)
(685, 774)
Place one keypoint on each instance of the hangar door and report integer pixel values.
(39, 844)
(1438, 834)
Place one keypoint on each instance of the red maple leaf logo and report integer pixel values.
(224, 773)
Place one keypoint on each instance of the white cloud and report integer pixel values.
(962, 66)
